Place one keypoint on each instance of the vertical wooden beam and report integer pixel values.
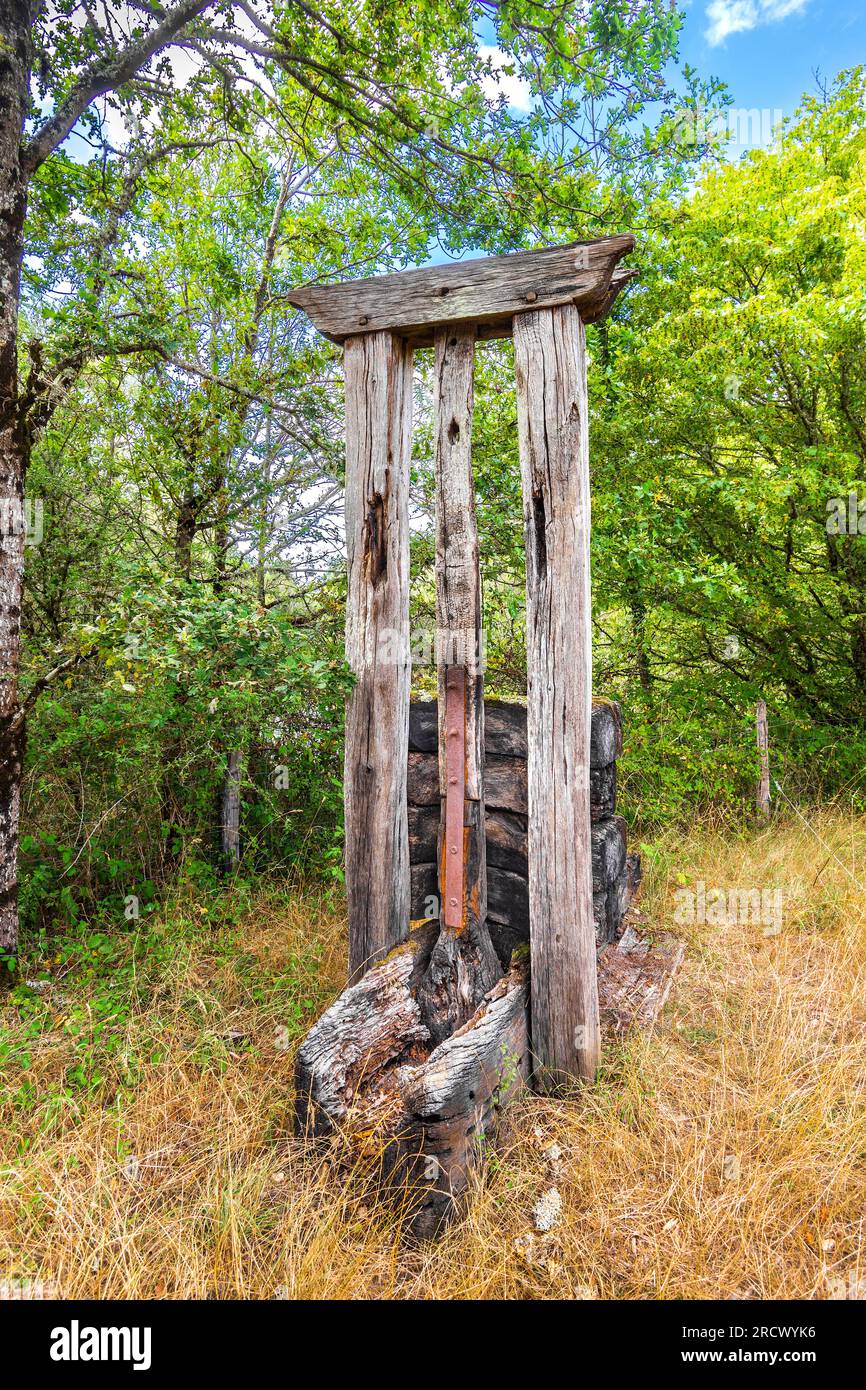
(378, 374)
(763, 733)
(550, 361)
(230, 817)
(464, 964)
(458, 580)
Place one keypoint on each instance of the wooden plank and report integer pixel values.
(485, 293)
(464, 965)
(458, 570)
(635, 976)
(550, 363)
(597, 312)
(378, 373)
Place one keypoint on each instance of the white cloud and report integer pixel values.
(735, 16)
(516, 92)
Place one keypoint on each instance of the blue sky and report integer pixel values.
(767, 50)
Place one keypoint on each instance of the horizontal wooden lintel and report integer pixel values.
(487, 292)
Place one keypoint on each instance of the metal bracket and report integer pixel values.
(455, 792)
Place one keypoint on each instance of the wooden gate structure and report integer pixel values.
(448, 979)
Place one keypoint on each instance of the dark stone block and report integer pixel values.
(602, 792)
(425, 887)
(605, 744)
(615, 873)
(422, 780)
(423, 833)
(508, 900)
(608, 840)
(505, 783)
(423, 727)
(506, 841)
(635, 874)
(505, 729)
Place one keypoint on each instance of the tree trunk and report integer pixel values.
(171, 791)
(638, 627)
(185, 530)
(15, 63)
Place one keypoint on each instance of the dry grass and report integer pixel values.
(725, 1156)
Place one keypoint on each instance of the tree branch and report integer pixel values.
(106, 75)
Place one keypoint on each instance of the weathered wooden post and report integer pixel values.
(763, 734)
(464, 965)
(550, 362)
(423, 1048)
(378, 372)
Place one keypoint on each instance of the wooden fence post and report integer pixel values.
(378, 375)
(230, 813)
(550, 361)
(763, 797)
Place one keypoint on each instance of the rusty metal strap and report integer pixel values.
(455, 790)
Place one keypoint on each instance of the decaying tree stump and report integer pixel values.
(367, 1072)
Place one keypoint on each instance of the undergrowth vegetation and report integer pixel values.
(146, 1110)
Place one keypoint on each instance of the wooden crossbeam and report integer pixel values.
(486, 292)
